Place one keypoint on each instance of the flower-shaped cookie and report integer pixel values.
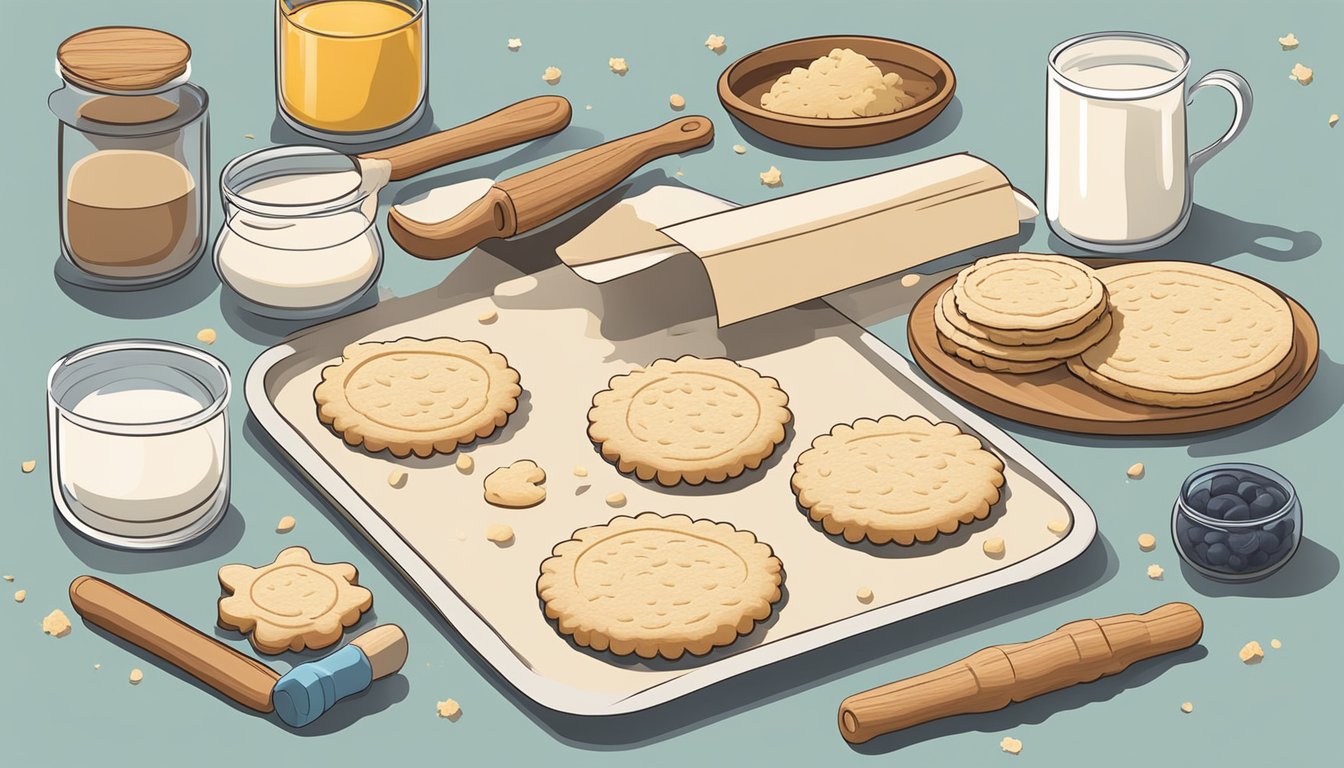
(292, 603)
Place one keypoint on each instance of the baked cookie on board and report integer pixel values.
(292, 603)
(1027, 298)
(1005, 358)
(896, 479)
(689, 420)
(416, 395)
(1188, 334)
(659, 586)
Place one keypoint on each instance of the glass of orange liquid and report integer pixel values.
(351, 70)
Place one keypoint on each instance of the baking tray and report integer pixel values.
(567, 336)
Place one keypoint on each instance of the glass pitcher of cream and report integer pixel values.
(1117, 176)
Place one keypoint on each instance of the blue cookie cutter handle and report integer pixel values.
(308, 690)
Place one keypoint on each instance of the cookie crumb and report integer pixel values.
(739, 149)
(1303, 75)
(499, 533)
(1135, 471)
(678, 174)
(588, 107)
(1155, 572)
(1147, 542)
(487, 317)
(1332, 120)
(465, 464)
(136, 676)
(449, 709)
(1010, 745)
(1251, 653)
(97, 666)
(21, 595)
(772, 177)
(864, 595)
(909, 281)
(1187, 707)
(716, 43)
(9, 578)
(285, 525)
(56, 623)
(206, 335)
(461, 535)
(580, 470)
(618, 66)
(1288, 42)
(28, 466)
(397, 478)
(677, 101)
(1275, 644)
(994, 547)
(1058, 527)
(616, 499)
(515, 43)
(551, 75)
(248, 136)
(517, 486)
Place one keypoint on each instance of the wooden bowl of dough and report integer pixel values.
(927, 77)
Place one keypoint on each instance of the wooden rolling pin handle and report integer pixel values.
(528, 119)
(491, 216)
(243, 679)
(546, 193)
(995, 677)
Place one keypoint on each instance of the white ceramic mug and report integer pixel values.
(1117, 176)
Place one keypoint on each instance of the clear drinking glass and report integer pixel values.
(1117, 176)
(351, 70)
(139, 438)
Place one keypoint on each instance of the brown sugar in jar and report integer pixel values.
(133, 151)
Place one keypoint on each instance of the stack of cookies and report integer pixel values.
(1023, 312)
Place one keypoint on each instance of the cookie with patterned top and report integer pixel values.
(689, 420)
(659, 586)
(417, 396)
(292, 603)
(896, 479)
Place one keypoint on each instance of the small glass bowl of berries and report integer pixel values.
(1236, 522)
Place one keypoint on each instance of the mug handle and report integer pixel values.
(1240, 91)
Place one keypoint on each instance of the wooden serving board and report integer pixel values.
(1056, 399)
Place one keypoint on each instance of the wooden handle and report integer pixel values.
(539, 196)
(995, 677)
(243, 679)
(385, 647)
(528, 119)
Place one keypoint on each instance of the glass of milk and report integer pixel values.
(1117, 174)
(139, 440)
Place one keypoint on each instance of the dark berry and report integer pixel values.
(1218, 554)
(1243, 543)
(1248, 490)
(1264, 505)
(1238, 513)
(1220, 505)
(1224, 483)
(1199, 500)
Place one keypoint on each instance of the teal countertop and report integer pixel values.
(1269, 206)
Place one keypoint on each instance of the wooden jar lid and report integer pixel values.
(122, 58)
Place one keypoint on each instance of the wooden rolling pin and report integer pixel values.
(526, 120)
(526, 201)
(298, 697)
(994, 677)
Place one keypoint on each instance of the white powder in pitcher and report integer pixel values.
(303, 261)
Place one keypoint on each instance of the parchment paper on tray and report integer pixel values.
(567, 337)
(781, 252)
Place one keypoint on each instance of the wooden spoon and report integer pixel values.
(539, 196)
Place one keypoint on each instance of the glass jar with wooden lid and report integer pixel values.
(133, 150)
